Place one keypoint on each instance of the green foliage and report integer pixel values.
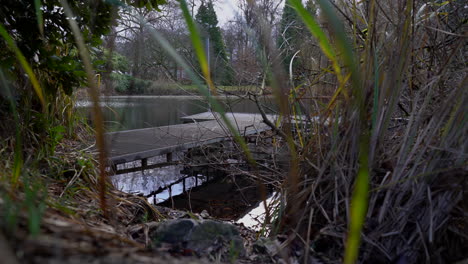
(126, 84)
(106, 62)
(121, 82)
(145, 218)
(52, 64)
(208, 22)
(233, 252)
(119, 62)
(33, 204)
(9, 213)
(18, 153)
(56, 134)
(53, 56)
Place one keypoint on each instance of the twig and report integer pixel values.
(271, 125)
(70, 183)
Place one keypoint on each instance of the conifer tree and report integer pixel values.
(208, 22)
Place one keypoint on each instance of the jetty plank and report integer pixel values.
(137, 144)
(205, 116)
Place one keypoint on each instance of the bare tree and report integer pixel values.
(139, 45)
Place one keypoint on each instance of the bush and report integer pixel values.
(126, 84)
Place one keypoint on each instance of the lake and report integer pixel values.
(133, 112)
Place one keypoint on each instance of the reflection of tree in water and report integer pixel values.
(147, 181)
(144, 178)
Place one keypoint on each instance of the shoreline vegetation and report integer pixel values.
(368, 160)
(175, 95)
(181, 90)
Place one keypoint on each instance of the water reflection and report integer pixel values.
(147, 181)
(144, 182)
(224, 197)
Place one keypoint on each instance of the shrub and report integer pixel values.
(126, 84)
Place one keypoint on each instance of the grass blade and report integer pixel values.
(360, 193)
(94, 93)
(359, 199)
(318, 33)
(18, 149)
(197, 43)
(198, 46)
(27, 68)
(40, 20)
(359, 202)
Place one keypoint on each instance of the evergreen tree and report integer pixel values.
(208, 22)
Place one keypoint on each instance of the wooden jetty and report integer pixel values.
(245, 117)
(206, 128)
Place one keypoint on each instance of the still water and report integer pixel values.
(133, 112)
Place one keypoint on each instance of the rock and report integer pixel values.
(204, 214)
(266, 246)
(173, 231)
(210, 233)
(202, 237)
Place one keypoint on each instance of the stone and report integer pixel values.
(204, 214)
(174, 231)
(202, 237)
(266, 246)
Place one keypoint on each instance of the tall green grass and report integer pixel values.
(348, 58)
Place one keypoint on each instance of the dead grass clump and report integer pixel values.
(390, 145)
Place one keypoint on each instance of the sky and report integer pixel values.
(226, 10)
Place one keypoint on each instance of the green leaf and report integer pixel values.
(40, 20)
